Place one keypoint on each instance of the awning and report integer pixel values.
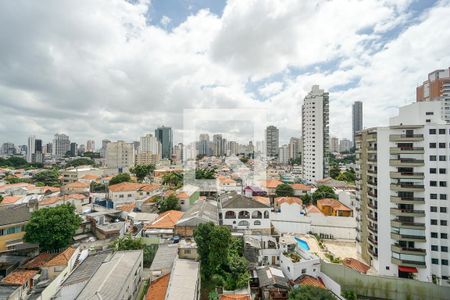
(407, 269)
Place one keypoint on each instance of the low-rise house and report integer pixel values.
(272, 283)
(58, 263)
(202, 212)
(77, 200)
(163, 260)
(12, 222)
(240, 212)
(187, 196)
(158, 288)
(184, 282)
(226, 184)
(310, 280)
(312, 209)
(130, 192)
(74, 174)
(355, 264)
(164, 226)
(270, 185)
(22, 280)
(21, 188)
(76, 187)
(296, 261)
(88, 178)
(251, 191)
(332, 207)
(187, 249)
(261, 250)
(301, 189)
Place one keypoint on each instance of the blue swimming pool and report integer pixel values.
(302, 244)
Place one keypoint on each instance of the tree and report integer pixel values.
(13, 161)
(284, 190)
(335, 171)
(97, 187)
(307, 292)
(127, 242)
(295, 161)
(173, 179)
(12, 180)
(244, 159)
(204, 173)
(119, 178)
(80, 162)
(142, 171)
(53, 227)
(306, 199)
(322, 192)
(47, 177)
(169, 203)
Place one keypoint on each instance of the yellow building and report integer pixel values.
(12, 222)
(332, 207)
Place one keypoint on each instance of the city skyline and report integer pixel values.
(128, 95)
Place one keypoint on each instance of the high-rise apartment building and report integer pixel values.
(283, 154)
(437, 88)
(30, 148)
(150, 143)
(73, 149)
(357, 118)
(403, 193)
(315, 130)
(165, 137)
(120, 155)
(8, 149)
(178, 153)
(272, 141)
(203, 144)
(334, 144)
(61, 144)
(90, 146)
(295, 148)
(218, 145)
(345, 145)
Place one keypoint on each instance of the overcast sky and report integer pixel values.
(118, 69)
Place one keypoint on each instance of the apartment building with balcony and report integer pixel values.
(402, 194)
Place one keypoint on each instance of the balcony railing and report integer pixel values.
(372, 240)
(407, 212)
(405, 162)
(407, 187)
(372, 252)
(372, 228)
(407, 200)
(409, 175)
(406, 150)
(406, 137)
(372, 218)
(407, 237)
(406, 250)
(408, 263)
(403, 224)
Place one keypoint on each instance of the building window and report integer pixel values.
(433, 208)
(433, 183)
(432, 170)
(434, 235)
(432, 157)
(433, 196)
(444, 248)
(444, 222)
(430, 113)
(432, 131)
(433, 222)
(432, 145)
(441, 131)
(443, 183)
(434, 248)
(442, 158)
(444, 262)
(257, 222)
(303, 271)
(443, 209)
(441, 145)
(435, 261)
(442, 171)
(443, 235)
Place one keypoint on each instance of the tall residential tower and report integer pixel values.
(357, 118)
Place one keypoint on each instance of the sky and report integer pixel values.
(118, 69)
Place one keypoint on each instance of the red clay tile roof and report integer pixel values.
(182, 196)
(19, 277)
(271, 183)
(39, 261)
(302, 187)
(77, 185)
(312, 209)
(10, 199)
(355, 265)
(125, 187)
(167, 219)
(89, 177)
(127, 207)
(288, 200)
(335, 204)
(150, 187)
(61, 259)
(309, 280)
(50, 188)
(158, 288)
(235, 297)
(263, 200)
(50, 201)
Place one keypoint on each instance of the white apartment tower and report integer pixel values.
(403, 193)
(150, 143)
(315, 130)
(283, 154)
(31, 148)
(61, 144)
(119, 155)
(90, 146)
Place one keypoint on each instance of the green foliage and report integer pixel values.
(127, 242)
(98, 187)
(348, 176)
(295, 161)
(204, 173)
(322, 192)
(91, 155)
(307, 292)
(173, 179)
(349, 295)
(221, 257)
(284, 190)
(142, 171)
(12, 180)
(80, 162)
(14, 162)
(149, 254)
(306, 199)
(48, 177)
(335, 171)
(213, 295)
(52, 228)
(119, 178)
(169, 203)
(244, 159)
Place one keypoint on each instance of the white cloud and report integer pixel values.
(97, 69)
(165, 20)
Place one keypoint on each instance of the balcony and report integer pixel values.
(406, 162)
(406, 137)
(407, 150)
(408, 263)
(371, 150)
(410, 225)
(372, 252)
(407, 175)
(372, 218)
(407, 212)
(372, 205)
(372, 241)
(373, 183)
(372, 172)
(404, 250)
(372, 194)
(403, 200)
(372, 228)
(407, 187)
(408, 238)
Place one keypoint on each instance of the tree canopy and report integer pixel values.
(204, 173)
(284, 190)
(127, 242)
(47, 177)
(307, 292)
(80, 162)
(173, 179)
(142, 171)
(322, 192)
(53, 227)
(169, 203)
(119, 178)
